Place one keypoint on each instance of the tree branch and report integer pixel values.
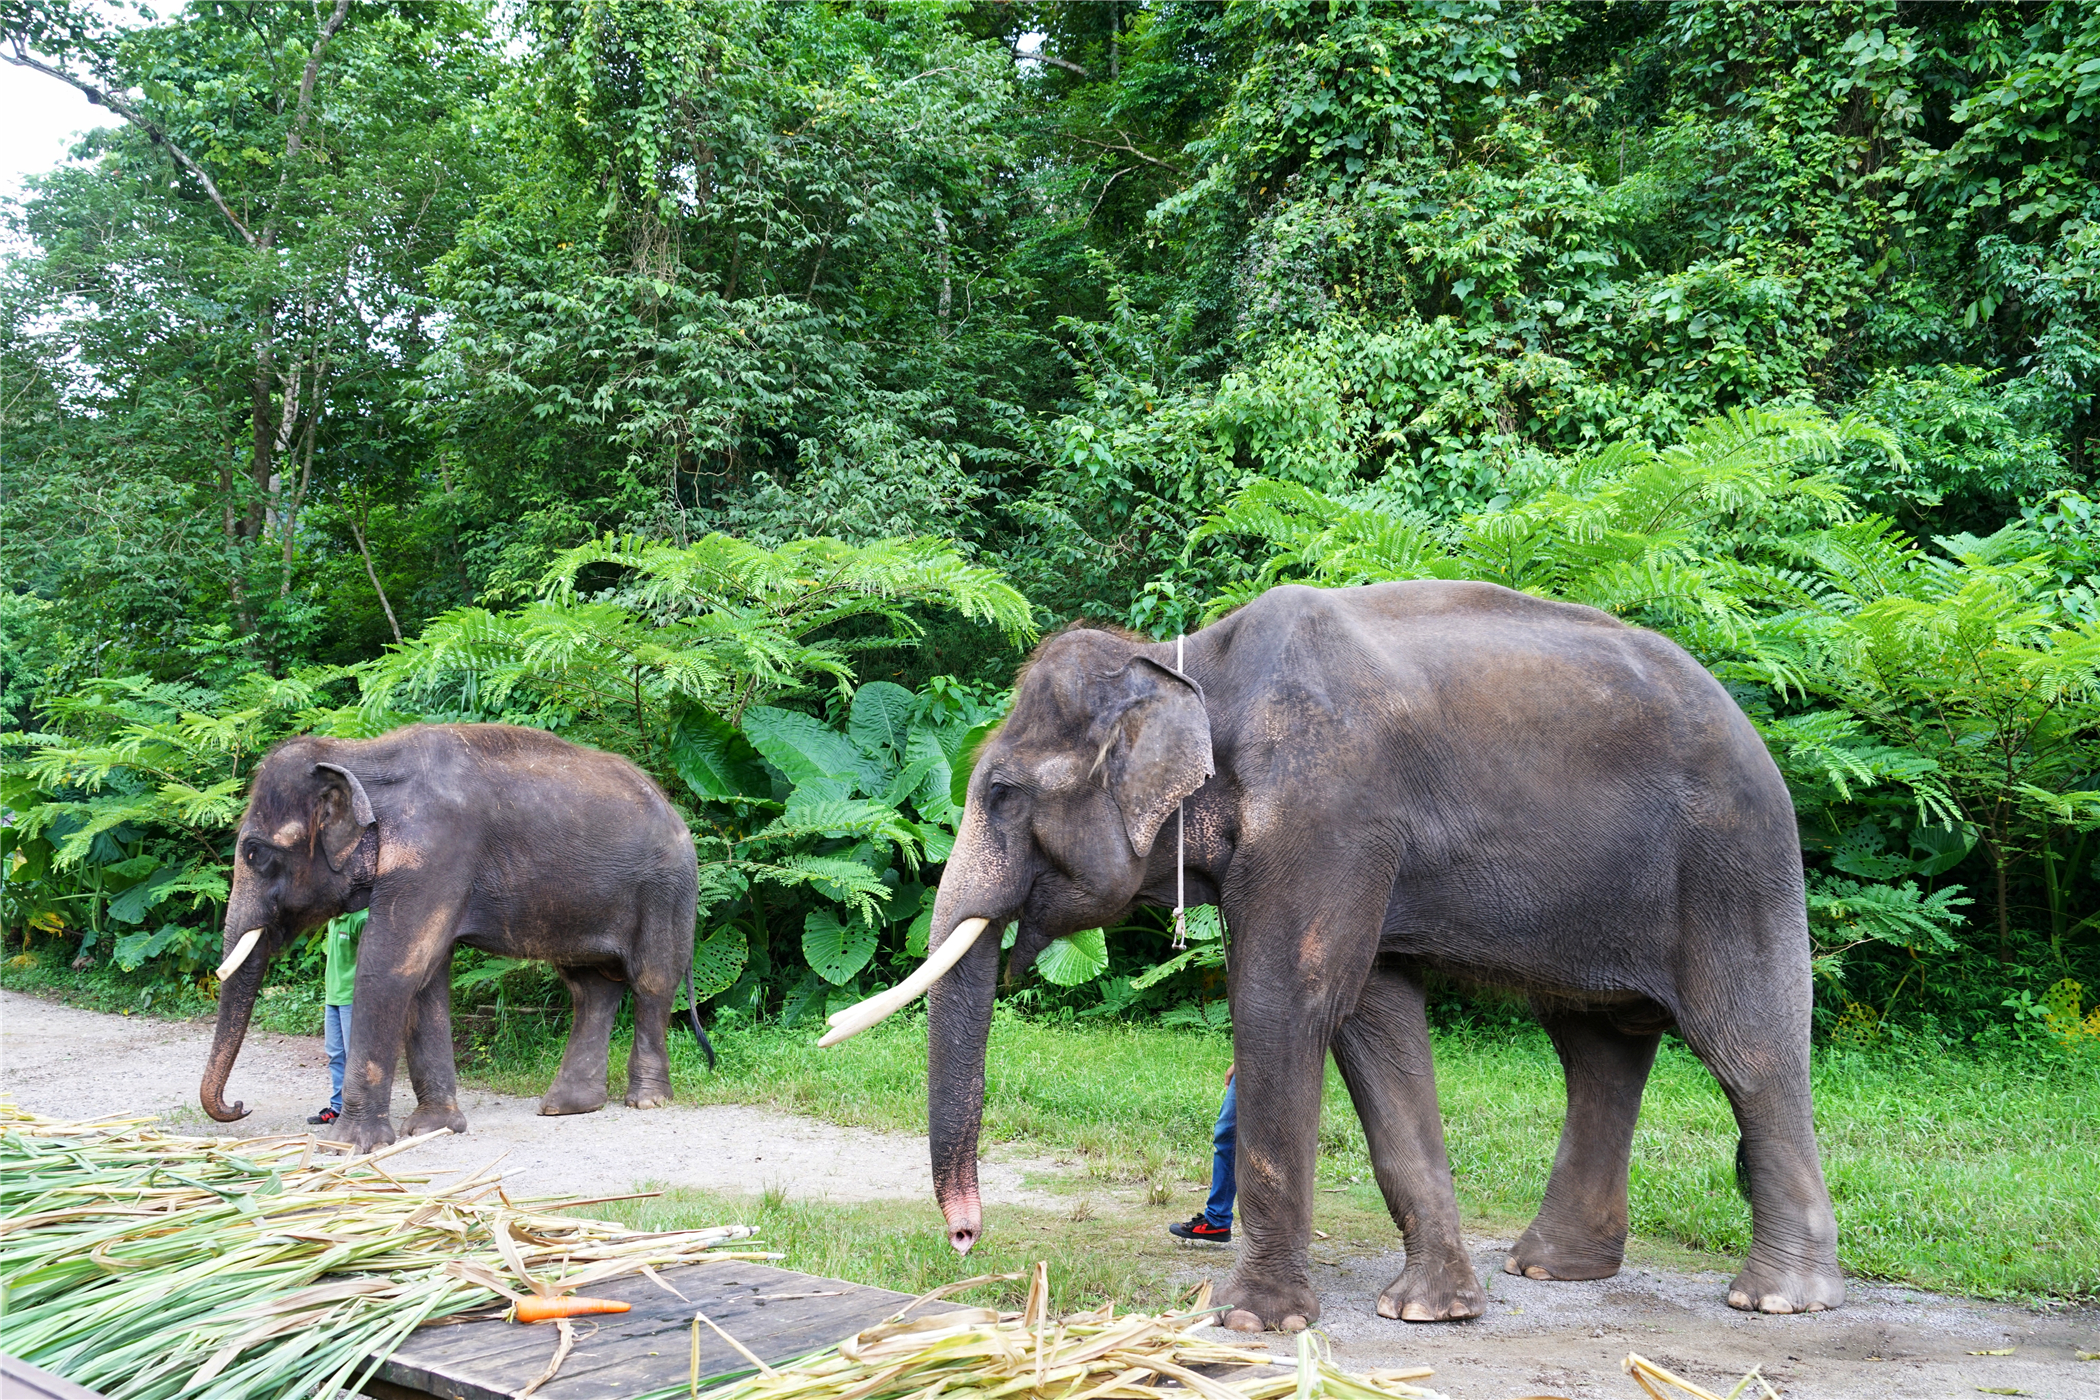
(1128, 149)
(104, 98)
(297, 134)
(1013, 51)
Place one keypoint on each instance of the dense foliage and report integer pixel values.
(458, 359)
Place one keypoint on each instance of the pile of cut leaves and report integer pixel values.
(146, 1265)
(983, 1354)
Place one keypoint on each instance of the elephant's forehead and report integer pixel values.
(1057, 769)
(287, 833)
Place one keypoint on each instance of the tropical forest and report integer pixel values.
(746, 388)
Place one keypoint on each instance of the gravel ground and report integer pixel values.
(1537, 1339)
(65, 1062)
(1567, 1339)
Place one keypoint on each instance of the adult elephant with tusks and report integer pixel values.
(504, 839)
(1377, 784)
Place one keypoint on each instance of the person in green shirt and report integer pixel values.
(340, 949)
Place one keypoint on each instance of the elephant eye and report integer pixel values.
(998, 795)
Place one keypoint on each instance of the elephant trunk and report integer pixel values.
(236, 1003)
(958, 1028)
(975, 886)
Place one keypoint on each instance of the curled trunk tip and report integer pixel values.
(236, 1004)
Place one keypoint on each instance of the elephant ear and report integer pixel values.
(342, 813)
(1153, 739)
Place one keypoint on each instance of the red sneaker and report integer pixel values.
(1200, 1228)
(324, 1117)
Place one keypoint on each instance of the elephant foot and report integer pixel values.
(1759, 1288)
(1536, 1257)
(648, 1095)
(428, 1118)
(1254, 1305)
(363, 1136)
(561, 1099)
(1444, 1291)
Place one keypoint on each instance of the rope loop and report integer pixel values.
(1181, 823)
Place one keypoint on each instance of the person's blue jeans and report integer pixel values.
(1223, 1140)
(335, 1037)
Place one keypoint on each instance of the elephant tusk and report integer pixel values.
(240, 953)
(858, 1017)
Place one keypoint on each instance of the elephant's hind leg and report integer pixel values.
(1580, 1232)
(1383, 1053)
(430, 1064)
(594, 1000)
(658, 966)
(1753, 1035)
(649, 1062)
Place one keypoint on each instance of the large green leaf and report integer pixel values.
(881, 716)
(1938, 849)
(133, 950)
(814, 756)
(963, 758)
(718, 960)
(921, 931)
(717, 761)
(130, 907)
(836, 950)
(1075, 958)
(926, 756)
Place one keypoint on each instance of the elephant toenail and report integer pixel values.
(1417, 1312)
(1240, 1320)
(1386, 1308)
(1773, 1303)
(1813, 1307)
(1739, 1299)
(1511, 1266)
(1294, 1323)
(1537, 1271)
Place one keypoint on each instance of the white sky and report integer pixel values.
(41, 117)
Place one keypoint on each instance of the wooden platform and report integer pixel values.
(777, 1314)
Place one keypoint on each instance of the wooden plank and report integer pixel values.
(778, 1314)
(21, 1381)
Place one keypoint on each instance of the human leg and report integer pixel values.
(335, 1038)
(1223, 1188)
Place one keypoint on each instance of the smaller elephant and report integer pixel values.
(499, 838)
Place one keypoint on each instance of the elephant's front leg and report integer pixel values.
(1294, 975)
(1383, 1053)
(379, 1020)
(430, 1064)
(594, 1001)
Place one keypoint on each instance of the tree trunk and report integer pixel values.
(940, 227)
(357, 530)
(297, 498)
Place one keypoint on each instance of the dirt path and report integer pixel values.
(1567, 1339)
(63, 1061)
(1553, 1339)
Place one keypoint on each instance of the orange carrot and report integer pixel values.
(548, 1309)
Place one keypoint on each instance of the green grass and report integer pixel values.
(1966, 1173)
(903, 1245)
(291, 1007)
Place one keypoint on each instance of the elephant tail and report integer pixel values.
(692, 1012)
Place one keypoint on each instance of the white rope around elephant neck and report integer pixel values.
(1181, 827)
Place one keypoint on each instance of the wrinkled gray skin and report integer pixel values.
(1382, 783)
(504, 839)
